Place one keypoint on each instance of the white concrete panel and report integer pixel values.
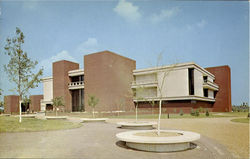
(210, 79)
(175, 84)
(48, 89)
(210, 94)
(198, 83)
(145, 78)
(147, 92)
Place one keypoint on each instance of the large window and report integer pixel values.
(191, 80)
(78, 100)
(205, 91)
(77, 78)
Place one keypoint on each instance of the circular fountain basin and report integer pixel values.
(93, 119)
(140, 125)
(144, 140)
(56, 117)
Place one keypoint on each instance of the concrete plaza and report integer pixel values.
(94, 140)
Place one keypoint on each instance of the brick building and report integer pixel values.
(112, 79)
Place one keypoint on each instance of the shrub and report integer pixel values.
(174, 110)
(248, 115)
(197, 113)
(201, 110)
(192, 112)
(181, 112)
(207, 112)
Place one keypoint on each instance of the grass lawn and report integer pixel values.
(142, 115)
(11, 124)
(177, 116)
(241, 120)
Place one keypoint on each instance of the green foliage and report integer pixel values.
(192, 112)
(1, 103)
(197, 113)
(207, 112)
(201, 110)
(248, 115)
(26, 101)
(93, 101)
(244, 107)
(58, 101)
(152, 102)
(181, 112)
(19, 68)
(175, 110)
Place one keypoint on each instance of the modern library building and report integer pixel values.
(118, 85)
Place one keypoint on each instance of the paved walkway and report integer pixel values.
(94, 141)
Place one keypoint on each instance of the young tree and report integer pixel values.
(138, 95)
(92, 102)
(160, 85)
(20, 67)
(152, 103)
(57, 101)
(26, 101)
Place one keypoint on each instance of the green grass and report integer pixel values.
(11, 124)
(177, 116)
(241, 120)
(154, 116)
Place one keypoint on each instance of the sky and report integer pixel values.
(209, 33)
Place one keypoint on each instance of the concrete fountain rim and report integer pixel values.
(93, 119)
(129, 136)
(135, 124)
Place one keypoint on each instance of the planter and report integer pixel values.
(28, 116)
(145, 141)
(5, 115)
(56, 117)
(93, 119)
(137, 125)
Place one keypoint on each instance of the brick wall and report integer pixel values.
(35, 103)
(61, 80)
(11, 104)
(223, 79)
(108, 76)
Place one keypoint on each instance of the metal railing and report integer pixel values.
(78, 83)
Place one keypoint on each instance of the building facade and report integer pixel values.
(116, 82)
(118, 85)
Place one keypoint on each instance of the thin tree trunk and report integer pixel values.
(93, 112)
(19, 87)
(20, 111)
(56, 111)
(159, 119)
(136, 112)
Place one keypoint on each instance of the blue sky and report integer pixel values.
(210, 33)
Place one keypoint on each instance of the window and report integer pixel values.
(191, 80)
(205, 91)
(205, 78)
(77, 78)
(77, 100)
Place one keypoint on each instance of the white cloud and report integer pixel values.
(89, 46)
(128, 11)
(47, 63)
(164, 15)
